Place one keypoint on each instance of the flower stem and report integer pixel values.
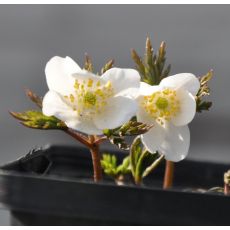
(93, 145)
(226, 189)
(169, 173)
(79, 137)
(96, 159)
(227, 183)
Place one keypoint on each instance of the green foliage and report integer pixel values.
(107, 66)
(37, 120)
(131, 128)
(152, 69)
(142, 161)
(110, 167)
(204, 91)
(88, 65)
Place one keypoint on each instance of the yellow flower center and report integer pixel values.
(90, 97)
(162, 105)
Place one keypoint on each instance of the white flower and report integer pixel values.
(87, 102)
(169, 106)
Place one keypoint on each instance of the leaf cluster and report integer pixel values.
(153, 67)
(88, 65)
(37, 120)
(204, 90)
(110, 165)
(131, 128)
(142, 161)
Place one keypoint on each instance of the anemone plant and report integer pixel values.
(117, 103)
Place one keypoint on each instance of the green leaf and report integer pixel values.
(107, 66)
(142, 162)
(155, 162)
(152, 69)
(204, 90)
(124, 167)
(135, 153)
(119, 142)
(131, 128)
(109, 164)
(88, 63)
(37, 120)
(110, 167)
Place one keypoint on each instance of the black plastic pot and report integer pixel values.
(50, 187)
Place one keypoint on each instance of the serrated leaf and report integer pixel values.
(139, 64)
(88, 63)
(142, 162)
(108, 163)
(107, 66)
(131, 128)
(37, 120)
(110, 167)
(203, 105)
(204, 90)
(152, 69)
(135, 153)
(119, 142)
(124, 167)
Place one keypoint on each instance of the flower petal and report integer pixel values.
(186, 81)
(85, 126)
(176, 143)
(118, 111)
(84, 75)
(153, 138)
(58, 74)
(54, 105)
(122, 80)
(146, 89)
(187, 108)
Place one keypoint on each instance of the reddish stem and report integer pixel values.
(169, 174)
(93, 144)
(79, 137)
(226, 189)
(100, 139)
(96, 159)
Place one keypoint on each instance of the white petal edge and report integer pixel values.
(85, 75)
(187, 108)
(84, 126)
(186, 81)
(123, 79)
(146, 89)
(58, 72)
(118, 111)
(176, 143)
(154, 137)
(54, 105)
